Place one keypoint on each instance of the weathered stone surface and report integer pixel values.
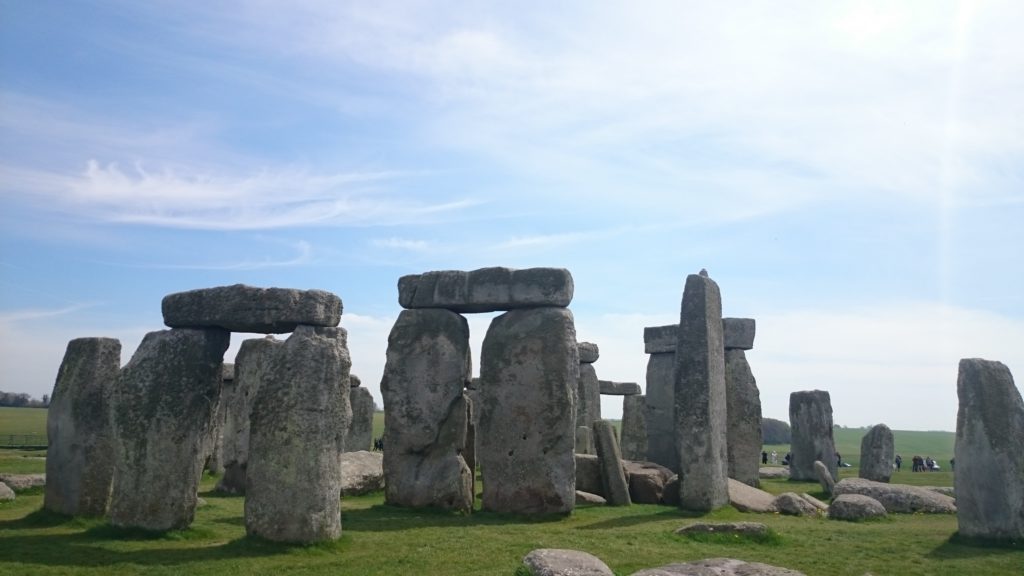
(898, 498)
(589, 352)
(588, 498)
(810, 416)
(215, 461)
(487, 289)
(554, 562)
(241, 308)
(588, 474)
(989, 452)
(19, 482)
(299, 419)
(877, 454)
(700, 398)
(671, 495)
(360, 430)
(828, 483)
(354, 381)
(616, 488)
(428, 364)
(814, 501)
(737, 528)
(743, 402)
(773, 472)
(164, 402)
(738, 333)
(584, 440)
(251, 365)
(855, 507)
(588, 407)
(469, 452)
(80, 458)
(362, 472)
(634, 427)
(529, 369)
(661, 421)
(945, 490)
(718, 567)
(661, 339)
(619, 388)
(746, 498)
(793, 504)
(646, 481)
(6, 494)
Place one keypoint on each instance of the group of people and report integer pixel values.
(926, 464)
(766, 457)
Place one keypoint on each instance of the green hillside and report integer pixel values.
(937, 444)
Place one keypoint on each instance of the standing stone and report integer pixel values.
(613, 479)
(989, 452)
(634, 427)
(589, 352)
(360, 430)
(215, 462)
(472, 425)
(242, 308)
(299, 419)
(79, 461)
(701, 431)
(877, 453)
(589, 407)
(584, 440)
(743, 402)
(164, 402)
(428, 365)
(529, 368)
(810, 419)
(251, 369)
(660, 409)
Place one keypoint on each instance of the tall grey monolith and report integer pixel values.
(215, 461)
(428, 365)
(634, 427)
(613, 479)
(298, 424)
(79, 461)
(529, 368)
(660, 342)
(743, 402)
(360, 430)
(251, 368)
(164, 402)
(877, 454)
(700, 398)
(810, 420)
(589, 407)
(989, 452)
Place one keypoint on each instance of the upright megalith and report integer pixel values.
(298, 424)
(215, 461)
(810, 420)
(634, 427)
(251, 369)
(241, 308)
(529, 368)
(700, 398)
(989, 452)
(743, 401)
(360, 429)
(165, 399)
(660, 342)
(877, 454)
(588, 396)
(486, 289)
(428, 365)
(613, 479)
(79, 461)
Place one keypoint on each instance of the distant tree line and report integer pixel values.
(22, 400)
(775, 431)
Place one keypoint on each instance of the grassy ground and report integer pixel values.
(938, 445)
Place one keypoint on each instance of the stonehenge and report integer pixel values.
(487, 289)
(588, 397)
(360, 430)
(877, 453)
(251, 366)
(634, 427)
(989, 452)
(743, 403)
(700, 402)
(241, 308)
(660, 344)
(79, 461)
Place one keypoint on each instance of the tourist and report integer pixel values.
(775, 457)
(899, 462)
(952, 464)
(764, 457)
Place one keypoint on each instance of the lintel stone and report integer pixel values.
(619, 388)
(487, 289)
(241, 308)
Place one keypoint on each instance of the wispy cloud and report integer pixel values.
(13, 316)
(402, 244)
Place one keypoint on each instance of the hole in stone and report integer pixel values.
(510, 452)
(524, 436)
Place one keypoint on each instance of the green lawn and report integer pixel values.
(938, 445)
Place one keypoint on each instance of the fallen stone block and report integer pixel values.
(554, 562)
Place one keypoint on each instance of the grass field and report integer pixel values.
(380, 539)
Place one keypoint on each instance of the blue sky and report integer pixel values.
(851, 174)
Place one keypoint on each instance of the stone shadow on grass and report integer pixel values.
(385, 518)
(86, 548)
(958, 546)
(643, 518)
